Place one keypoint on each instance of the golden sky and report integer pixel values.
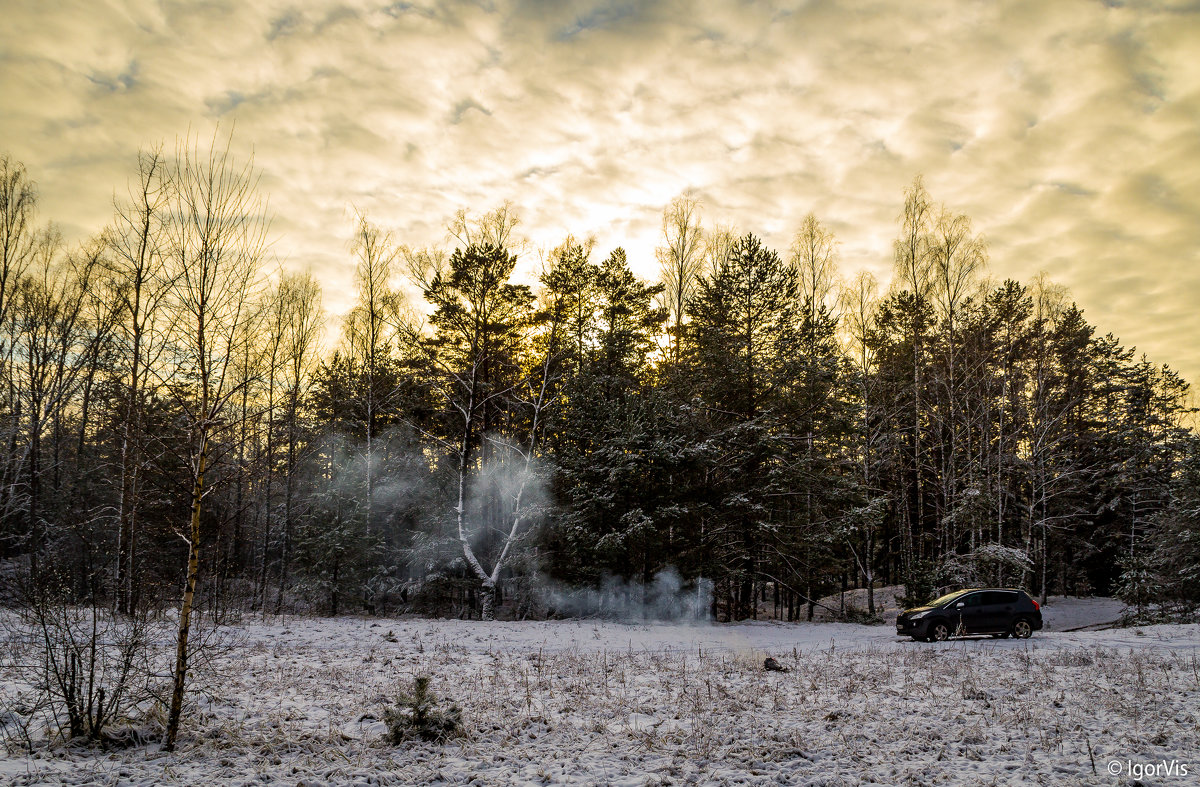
(1068, 130)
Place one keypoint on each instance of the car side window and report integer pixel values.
(973, 600)
(1001, 597)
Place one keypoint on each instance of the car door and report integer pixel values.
(968, 609)
(997, 611)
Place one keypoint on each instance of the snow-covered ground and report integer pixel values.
(1064, 614)
(297, 701)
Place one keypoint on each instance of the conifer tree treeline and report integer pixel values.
(750, 421)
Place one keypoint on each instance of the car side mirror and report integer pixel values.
(959, 605)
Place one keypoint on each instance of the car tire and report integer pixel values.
(939, 632)
(1022, 628)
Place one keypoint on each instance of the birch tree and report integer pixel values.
(859, 300)
(218, 239)
(480, 321)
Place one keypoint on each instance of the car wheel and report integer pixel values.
(1021, 629)
(939, 632)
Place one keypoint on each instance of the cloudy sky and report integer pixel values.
(1068, 130)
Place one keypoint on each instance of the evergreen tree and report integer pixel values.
(745, 333)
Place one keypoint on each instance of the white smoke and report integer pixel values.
(667, 597)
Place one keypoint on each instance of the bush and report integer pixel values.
(83, 669)
(415, 717)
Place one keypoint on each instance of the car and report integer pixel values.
(1001, 612)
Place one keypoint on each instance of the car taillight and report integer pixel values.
(1036, 606)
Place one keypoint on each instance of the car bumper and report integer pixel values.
(910, 628)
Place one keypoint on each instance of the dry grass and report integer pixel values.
(917, 715)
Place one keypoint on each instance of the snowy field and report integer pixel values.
(298, 701)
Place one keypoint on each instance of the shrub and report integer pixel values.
(86, 669)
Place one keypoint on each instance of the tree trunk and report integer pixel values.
(185, 610)
(288, 494)
(487, 600)
(333, 590)
(125, 545)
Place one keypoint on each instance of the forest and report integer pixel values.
(741, 436)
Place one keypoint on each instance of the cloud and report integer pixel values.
(1066, 130)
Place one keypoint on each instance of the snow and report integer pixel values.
(887, 604)
(298, 701)
(1061, 613)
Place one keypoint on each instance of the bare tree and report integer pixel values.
(913, 252)
(367, 330)
(136, 263)
(53, 348)
(814, 253)
(914, 270)
(20, 242)
(718, 242)
(218, 237)
(681, 263)
(302, 320)
(275, 313)
(494, 228)
(252, 374)
(1052, 472)
(958, 256)
(858, 301)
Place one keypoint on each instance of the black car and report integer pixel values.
(996, 611)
